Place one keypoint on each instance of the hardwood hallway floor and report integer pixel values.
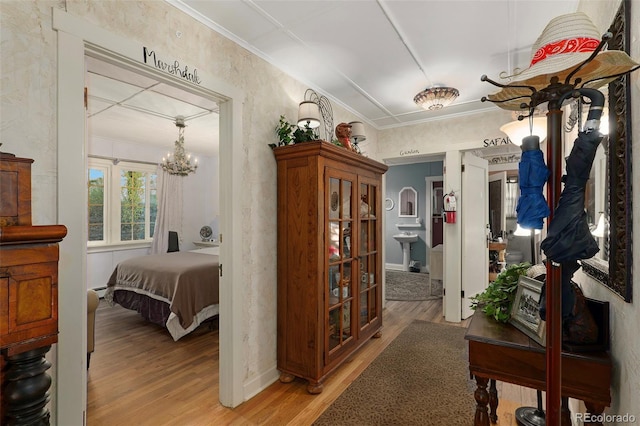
(140, 376)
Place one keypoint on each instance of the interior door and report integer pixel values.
(497, 210)
(474, 212)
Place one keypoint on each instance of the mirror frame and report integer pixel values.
(618, 275)
(415, 202)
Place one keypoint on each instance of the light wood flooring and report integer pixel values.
(140, 376)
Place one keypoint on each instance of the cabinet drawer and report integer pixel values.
(28, 302)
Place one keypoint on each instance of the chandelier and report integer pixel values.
(436, 98)
(179, 163)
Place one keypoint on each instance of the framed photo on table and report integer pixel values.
(525, 315)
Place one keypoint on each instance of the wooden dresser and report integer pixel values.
(28, 298)
(329, 257)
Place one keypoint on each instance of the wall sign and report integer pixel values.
(409, 152)
(504, 140)
(149, 57)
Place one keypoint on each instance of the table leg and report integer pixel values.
(565, 413)
(482, 399)
(595, 410)
(493, 401)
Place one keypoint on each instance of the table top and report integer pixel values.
(484, 329)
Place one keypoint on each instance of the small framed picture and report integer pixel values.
(525, 315)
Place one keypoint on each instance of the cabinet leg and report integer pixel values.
(377, 335)
(287, 378)
(315, 388)
(25, 392)
(493, 401)
(482, 399)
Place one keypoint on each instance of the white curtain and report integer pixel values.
(169, 216)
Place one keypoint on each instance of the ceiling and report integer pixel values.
(371, 57)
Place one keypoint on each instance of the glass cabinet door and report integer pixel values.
(369, 279)
(340, 226)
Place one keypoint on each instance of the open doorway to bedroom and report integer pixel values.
(131, 125)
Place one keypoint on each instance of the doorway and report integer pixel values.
(131, 120)
(75, 40)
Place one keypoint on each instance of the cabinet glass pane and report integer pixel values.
(334, 241)
(364, 273)
(334, 285)
(334, 328)
(346, 199)
(364, 237)
(346, 240)
(365, 206)
(334, 198)
(364, 308)
(346, 281)
(346, 320)
(373, 293)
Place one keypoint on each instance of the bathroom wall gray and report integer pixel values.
(398, 177)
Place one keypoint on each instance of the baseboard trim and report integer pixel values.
(259, 383)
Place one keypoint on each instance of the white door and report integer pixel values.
(474, 212)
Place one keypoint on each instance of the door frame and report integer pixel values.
(76, 38)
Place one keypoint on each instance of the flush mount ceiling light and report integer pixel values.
(179, 163)
(436, 98)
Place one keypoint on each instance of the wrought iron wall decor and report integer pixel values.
(618, 276)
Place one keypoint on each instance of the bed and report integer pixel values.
(175, 290)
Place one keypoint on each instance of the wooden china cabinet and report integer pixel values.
(329, 257)
(28, 298)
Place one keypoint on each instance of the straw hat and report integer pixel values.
(566, 42)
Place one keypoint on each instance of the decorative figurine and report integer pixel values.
(343, 133)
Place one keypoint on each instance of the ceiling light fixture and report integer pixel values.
(435, 98)
(518, 129)
(179, 163)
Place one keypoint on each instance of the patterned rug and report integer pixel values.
(401, 285)
(421, 378)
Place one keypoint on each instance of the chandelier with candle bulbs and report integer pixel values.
(179, 163)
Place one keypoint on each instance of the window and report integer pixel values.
(122, 202)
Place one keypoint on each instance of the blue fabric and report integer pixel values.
(533, 173)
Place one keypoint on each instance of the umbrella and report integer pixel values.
(569, 237)
(532, 208)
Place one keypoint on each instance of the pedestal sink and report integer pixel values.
(406, 239)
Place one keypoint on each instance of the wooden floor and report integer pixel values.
(139, 375)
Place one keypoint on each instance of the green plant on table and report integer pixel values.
(497, 298)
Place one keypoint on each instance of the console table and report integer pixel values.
(499, 351)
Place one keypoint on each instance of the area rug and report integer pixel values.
(421, 378)
(401, 285)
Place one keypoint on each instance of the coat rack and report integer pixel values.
(555, 94)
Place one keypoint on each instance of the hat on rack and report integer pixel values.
(565, 43)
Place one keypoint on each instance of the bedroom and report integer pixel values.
(131, 126)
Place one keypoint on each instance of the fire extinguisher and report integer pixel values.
(450, 208)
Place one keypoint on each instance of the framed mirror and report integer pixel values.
(408, 202)
(614, 270)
